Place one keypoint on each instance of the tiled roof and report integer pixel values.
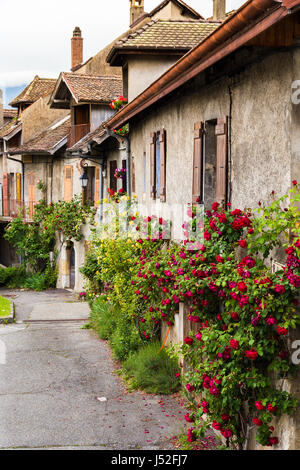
(92, 88)
(35, 90)
(10, 113)
(161, 34)
(98, 135)
(47, 141)
(9, 128)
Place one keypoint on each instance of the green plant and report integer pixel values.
(151, 369)
(13, 277)
(5, 306)
(103, 318)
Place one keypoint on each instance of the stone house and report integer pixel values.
(223, 124)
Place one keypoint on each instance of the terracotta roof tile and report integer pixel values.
(48, 140)
(35, 90)
(160, 34)
(92, 88)
(10, 113)
(10, 127)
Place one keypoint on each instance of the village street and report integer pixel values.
(54, 376)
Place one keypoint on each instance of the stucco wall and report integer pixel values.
(261, 132)
(143, 70)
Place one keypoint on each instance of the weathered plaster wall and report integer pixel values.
(38, 117)
(261, 133)
(143, 70)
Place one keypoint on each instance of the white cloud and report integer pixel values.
(36, 40)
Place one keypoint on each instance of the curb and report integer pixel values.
(11, 317)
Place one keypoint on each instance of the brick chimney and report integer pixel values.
(136, 10)
(1, 108)
(219, 12)
(77, 47)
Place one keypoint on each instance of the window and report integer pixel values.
(112, 179)
(158, 165)
(210, 162)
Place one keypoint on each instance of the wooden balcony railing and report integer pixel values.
(77, 132)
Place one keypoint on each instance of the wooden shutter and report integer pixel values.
(162, 140)
(6, 194)
(221, 163)
(68, 183)
(31, 193)
(112, 179)
(152, 163)
(198, 163)
(19, 187)
(97, 185)
(124, 181)
(133, 175)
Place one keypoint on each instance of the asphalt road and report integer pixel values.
(58, 389)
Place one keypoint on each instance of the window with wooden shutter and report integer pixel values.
(221, 161)
(68, 183)
(152, 164)
(198, 163)
(97, 185)
(162, 140)
(112, 178)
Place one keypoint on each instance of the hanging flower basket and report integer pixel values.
(120, 173)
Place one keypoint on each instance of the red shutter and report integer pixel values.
(162, 140)
(152, 164)
(198, 163)
(6, 194)
(221, 172)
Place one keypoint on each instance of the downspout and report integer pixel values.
(128, 166)
(229, 145)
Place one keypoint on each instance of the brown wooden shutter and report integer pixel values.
(124, 180)
(31, 193)
(133, 189)
(221, 163)
(97, 185)
(162, 140)
(112, 178)
(198, 163)
(5, 194)
(152, 164)
(68, 183)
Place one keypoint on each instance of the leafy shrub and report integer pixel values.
(12, 277)
(103, 318)
(90, 270)
(153, 370)
(125, 339)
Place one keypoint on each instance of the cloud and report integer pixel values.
(13, 79)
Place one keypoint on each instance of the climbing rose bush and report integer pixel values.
(239, 311)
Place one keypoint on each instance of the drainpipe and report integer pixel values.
(127, 146)
(229, 144)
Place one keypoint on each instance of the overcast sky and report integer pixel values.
(35, 36)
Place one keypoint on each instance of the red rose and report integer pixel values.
(282, 331)
(257, 421)
(295, 182)
(217, 426)
(225, 417)
(273, 441)
(234, 344)
(252, 354)
(227, 433)
(188, 340)
(215, 206)
(271, 408)
(243, 244)
(189, 418)
(259, 406)
(279, 288)
(242, 287)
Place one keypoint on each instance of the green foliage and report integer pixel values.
(12, 277)
(5, 306)
(152, 370)
(112, 325)
(90, 270)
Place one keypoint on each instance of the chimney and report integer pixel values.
(77, 47)
(1, 108)
(136, 10)
(219, 10)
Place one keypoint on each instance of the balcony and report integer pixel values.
(12, 208)
(77, 132)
